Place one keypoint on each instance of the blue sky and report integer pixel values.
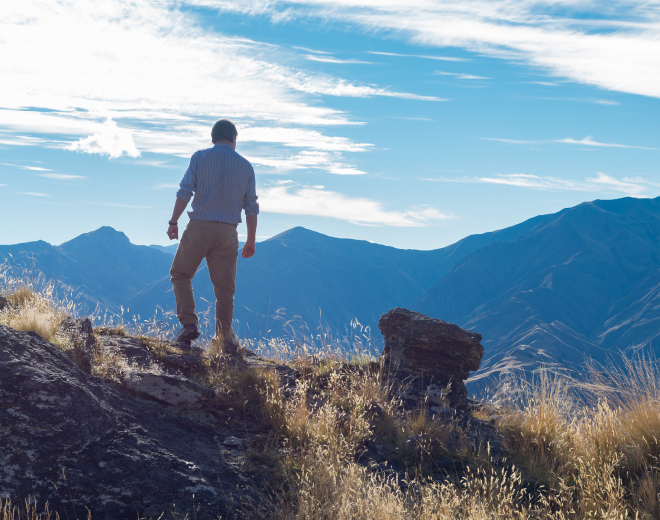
(411, 124)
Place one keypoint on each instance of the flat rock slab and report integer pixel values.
(165, 389)
(123, 458)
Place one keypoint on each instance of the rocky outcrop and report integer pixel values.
(165, 389)
(430, 357)
(3, 303)
(78, 442)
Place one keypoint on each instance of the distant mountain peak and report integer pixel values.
(105, 234)
(298, 232)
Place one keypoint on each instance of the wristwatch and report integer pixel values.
(173, 223)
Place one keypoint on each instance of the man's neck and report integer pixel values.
(230, 143)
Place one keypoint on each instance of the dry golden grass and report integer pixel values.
(30, 310)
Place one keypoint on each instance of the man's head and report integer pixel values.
(224, 131)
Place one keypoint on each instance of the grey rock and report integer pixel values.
(185, 362)
(165, 389)
(129, 348)
(430, 356)
(121, 456)
(3, 303)
(233, 441)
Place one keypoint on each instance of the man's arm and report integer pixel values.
(251, 207)
(179, 206)
(249, 247)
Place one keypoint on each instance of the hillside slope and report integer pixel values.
(102, 266)
(583, 281)
(316, 279)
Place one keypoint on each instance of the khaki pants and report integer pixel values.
(218, 243)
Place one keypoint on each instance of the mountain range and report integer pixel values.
(546, 292)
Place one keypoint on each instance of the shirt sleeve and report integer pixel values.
(188, 184)
(250, 204)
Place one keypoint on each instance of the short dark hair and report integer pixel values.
(223, 130)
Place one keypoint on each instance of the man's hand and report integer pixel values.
(248, 249)
(173, 233)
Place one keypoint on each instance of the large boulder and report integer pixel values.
(430, 357)
(121, 457)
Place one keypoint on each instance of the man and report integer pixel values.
(223, 184)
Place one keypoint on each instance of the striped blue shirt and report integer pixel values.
(223, 184)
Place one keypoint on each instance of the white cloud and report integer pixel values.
(440, 58)
(61, 176)
(311, 50)
(544, 83)
(459, 75)
(616, 50)
(118, 65)
(34, 194)
(112, 141)
(635, 187)
(330, 162)
(328, 59)
(588, 141)
(23, 167)
(166, 186)
(292, 200)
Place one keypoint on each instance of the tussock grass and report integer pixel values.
(34, 304)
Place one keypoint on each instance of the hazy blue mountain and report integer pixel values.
(315, 279)
(103, 266)
(583, 281)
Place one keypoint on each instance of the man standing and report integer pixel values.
(223, 184)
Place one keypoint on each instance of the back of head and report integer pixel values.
(223, 130)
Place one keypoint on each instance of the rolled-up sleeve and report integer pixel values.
(250, 204)
(188, 184)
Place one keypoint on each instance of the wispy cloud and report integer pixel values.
(617, 51)
(330, 162)
(423, 56)
(145, 107)
(292, 200)
(166, 186)
(23, 167)
(636, 187)
(544, 83)
(459, 75)
(61, 176)
(328, 59)
(311, 50)
(34, 194)
(595, 101)
(588, 141)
